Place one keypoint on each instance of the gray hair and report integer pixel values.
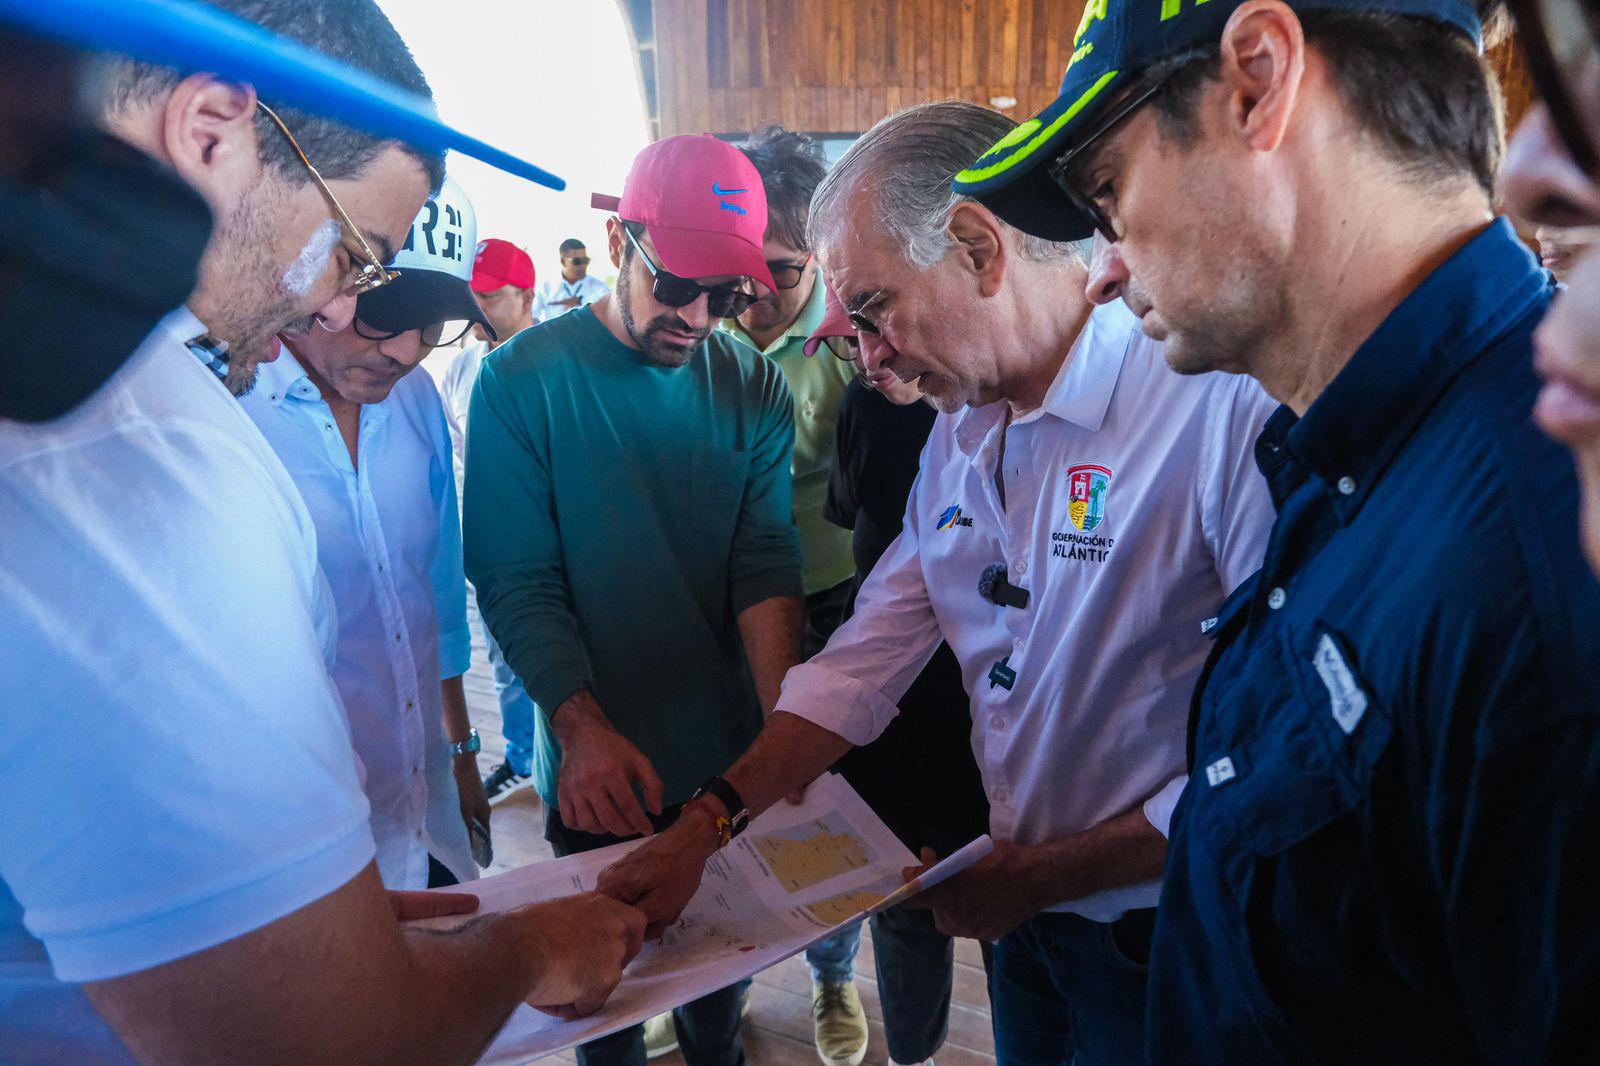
(906, 163)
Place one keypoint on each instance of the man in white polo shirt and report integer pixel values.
(210, 895)
(1081, 510)
(574, 287)
(365, 441)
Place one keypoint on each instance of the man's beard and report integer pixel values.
(649, 340)
(261, 307)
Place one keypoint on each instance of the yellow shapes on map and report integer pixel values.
(799, 860)
(841, 909)
(1078, 510)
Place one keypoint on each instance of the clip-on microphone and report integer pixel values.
(994, 587)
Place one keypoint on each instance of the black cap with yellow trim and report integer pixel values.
(1116, 41)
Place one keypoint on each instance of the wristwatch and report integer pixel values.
(739, 814)
(471, 746)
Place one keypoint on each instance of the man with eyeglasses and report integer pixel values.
(1079, 513)
(777, 325)
(1388, 828)
(574, 288)
(629, 526)
(365, 441)
(207, 891)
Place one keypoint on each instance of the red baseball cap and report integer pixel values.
(703, 204)
(835, 322)
(501, 263)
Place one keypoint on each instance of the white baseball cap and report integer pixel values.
(435, 266)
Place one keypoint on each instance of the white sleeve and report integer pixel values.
(1158, 808)
(852, 687)
(155, 626)
(1236, 512)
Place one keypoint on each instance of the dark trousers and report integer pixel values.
(708, 1028)
(1068, 990)
(916, 976)
(439, 875)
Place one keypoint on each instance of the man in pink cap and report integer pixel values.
(629, 528)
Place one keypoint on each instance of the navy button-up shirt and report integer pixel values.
(1387, 849)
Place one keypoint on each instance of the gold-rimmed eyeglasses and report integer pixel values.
(370, 273)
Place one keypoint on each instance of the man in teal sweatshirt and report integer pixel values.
(629, 526)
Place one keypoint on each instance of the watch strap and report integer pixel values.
(471, 746)
(738, 814)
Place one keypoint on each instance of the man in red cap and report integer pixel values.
(629, 527)
(503, 280)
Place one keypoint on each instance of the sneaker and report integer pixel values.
(838, 1023)
(660, 1036)
(502, 781)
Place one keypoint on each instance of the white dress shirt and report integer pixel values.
(587, 289)
(389, 541)
(455, 390)
(1133, 506)
(158, 586)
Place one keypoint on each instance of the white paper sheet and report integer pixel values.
(796, 874)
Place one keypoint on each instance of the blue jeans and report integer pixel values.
(834, 957)
(1068, 990)
(516, 710)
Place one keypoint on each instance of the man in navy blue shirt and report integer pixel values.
(1385, 849)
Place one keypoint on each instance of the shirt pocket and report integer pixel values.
(715, 491)
(1310, 757)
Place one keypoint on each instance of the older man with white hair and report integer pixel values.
(1081, 512)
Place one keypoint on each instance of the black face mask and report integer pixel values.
(89, 263)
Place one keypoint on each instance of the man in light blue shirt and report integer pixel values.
(366, 443)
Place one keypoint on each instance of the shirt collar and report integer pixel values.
(810, 317)
(1363, 418)
(1081, 392)
(284, 378)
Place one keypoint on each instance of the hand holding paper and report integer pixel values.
(986, 901)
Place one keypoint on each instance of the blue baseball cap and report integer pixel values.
(1117, 40)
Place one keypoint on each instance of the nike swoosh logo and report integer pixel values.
(718, 190)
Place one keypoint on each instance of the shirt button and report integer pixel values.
(397, 638)
(997, 722)
(1001, 795)
(409, 705)
(1022, 567)
(1347, 486)
(1277, 598)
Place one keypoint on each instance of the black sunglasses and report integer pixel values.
(1561, 38)
(432, 334)
(722, 301)
(578, 260)
(1058, 170)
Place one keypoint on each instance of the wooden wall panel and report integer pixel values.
(837, 66)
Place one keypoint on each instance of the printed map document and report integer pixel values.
(796, 874)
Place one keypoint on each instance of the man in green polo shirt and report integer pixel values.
(628, 526)
(777, 325)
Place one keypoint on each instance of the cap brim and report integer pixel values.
(601, 202)
(1013, 179)
(419, 298)
(836, 323)
(698, 253)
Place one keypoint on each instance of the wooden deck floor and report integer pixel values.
(778, 1031)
